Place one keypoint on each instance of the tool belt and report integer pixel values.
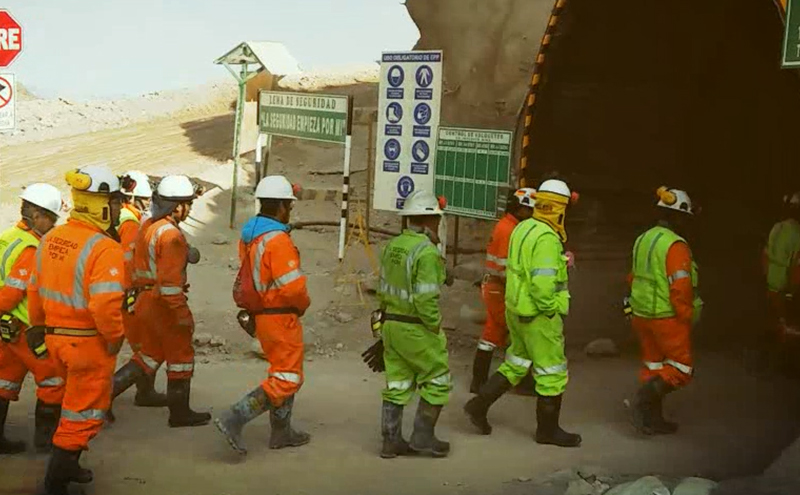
(131, 295)
(279, 311)
(10, 328)
(71, 332)
(403, 318)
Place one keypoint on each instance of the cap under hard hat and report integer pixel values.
(44, 196)
(93, 179)
(275, 187)
(674, 199)
(176, 188)
(141, 186)
(421, 203)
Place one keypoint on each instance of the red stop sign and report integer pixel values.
(10, 38)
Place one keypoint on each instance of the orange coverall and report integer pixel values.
(281, 284)
(493, 287)
(127, 234)
(667, 340)
(162, 310)
(16, 359)
(76, 292)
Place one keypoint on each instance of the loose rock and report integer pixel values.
(580, 487)
(602, 348)
(695, 486)
(649, 485)
(202, 339)
(217, 341)
(339, 346)
(342, 317)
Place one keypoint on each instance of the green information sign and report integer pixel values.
(302, 115)
(791, 38)
(473, 170)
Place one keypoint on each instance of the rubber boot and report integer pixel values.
(146, 395)
(478, 407)
(480, 370)
(282, 434)
(248, 408)
(392, 431)
(644, 407)
(527, 386)
(180, 414)
(64, 468)
(46, 418)
(658, 425)
(423, 439)
(8, 446)
(125, 377)
(548, 431)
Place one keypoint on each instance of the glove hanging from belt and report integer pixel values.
(35, 338)
(373, 357)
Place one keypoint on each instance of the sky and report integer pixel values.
(110, 48)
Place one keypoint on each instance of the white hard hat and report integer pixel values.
(420, 203)
(44, 196)
(674, 199)
(176, 188)
(142, 188)
(555, 186)
(526, 196)
(275, 187)
(93, 179)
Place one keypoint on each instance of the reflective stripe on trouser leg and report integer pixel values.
(549, 360)
(281, 338)
(415, 356)
(176, 343)
(87, 394)
(517, 362)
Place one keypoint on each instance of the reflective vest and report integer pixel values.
(650, 287)
(535, 268)
(402, 282)
(782, 250)
(13, 242)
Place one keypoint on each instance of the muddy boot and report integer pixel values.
(480, 370)
(527, 386)
(282, 433)
(548, 431)
(46, 418)
(179, 412)
(80, 475)
(146, 395)
(248, 408)
(478, 407)
(392, 431)
(8, 446)
(423, 439)
(658, 424)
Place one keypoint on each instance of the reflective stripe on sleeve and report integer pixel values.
(286, 279)
(678, 275)
(53, 381)
(105, 288)
(496, 260)
(16, 283)
(426, 288)
(544, 272)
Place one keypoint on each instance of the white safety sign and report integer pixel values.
(408, 121)
(8, 117)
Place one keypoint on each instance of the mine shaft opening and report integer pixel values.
(687, 94)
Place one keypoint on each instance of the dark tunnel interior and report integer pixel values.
(689, 94)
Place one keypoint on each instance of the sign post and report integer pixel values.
(473, 168)
(10, 38)
(314, 117)
(790, 58)
(408, 119)
(8, 118)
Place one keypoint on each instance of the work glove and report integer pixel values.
(35, 338)
(113, 348)
(247, 322)
(626, 307)
(374, 357)
(194, 255)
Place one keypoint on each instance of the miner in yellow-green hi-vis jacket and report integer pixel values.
(537, 299)
(415, 346)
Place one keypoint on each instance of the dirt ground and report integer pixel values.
(732, 424)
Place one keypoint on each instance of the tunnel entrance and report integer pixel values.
(687, 94)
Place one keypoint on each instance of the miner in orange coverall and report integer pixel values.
(519, 207)
(41, 204)
(665, 304)
(136, 187)
(269, 252)
(161, 309)
(75, 297)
